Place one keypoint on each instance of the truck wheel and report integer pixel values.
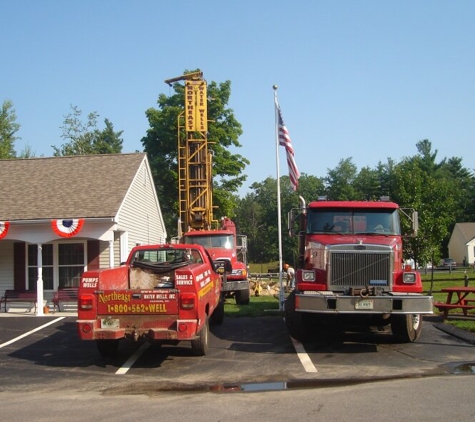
(217, 316)
(107, 348)
(406, 328)
(296, 321)
(200, 345)
(243, 297)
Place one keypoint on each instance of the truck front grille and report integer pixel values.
(359, 269)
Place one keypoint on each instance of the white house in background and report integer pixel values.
(61, 216)
(462, 244)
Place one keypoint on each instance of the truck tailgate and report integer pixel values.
(137, 302)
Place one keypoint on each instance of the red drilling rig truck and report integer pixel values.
(351, 269)
(197, 224)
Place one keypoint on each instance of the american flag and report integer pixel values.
(285, 141)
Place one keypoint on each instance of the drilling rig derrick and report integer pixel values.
(195, 178)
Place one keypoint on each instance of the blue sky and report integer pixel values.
(363, 79)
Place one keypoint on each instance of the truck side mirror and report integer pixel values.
(415, 222)
(224, 266)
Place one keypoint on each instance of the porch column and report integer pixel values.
(39, 282)
(111, 254)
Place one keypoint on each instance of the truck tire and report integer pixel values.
(107, 348)
(296, 321)
(406, 328)
(242, 297)
(199, 346)
(217, 316)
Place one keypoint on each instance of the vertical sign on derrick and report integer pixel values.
(196, 106)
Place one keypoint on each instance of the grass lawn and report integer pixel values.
(446, 279)
(258, 306)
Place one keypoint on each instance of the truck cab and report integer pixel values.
(351, 267)
(224, 245)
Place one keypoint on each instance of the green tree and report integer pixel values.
(257, 213)
(265, 195)
(8, 128)
(161, 145)
(414, 187)
(85, 138)
(27, 152)
(448, 193)
(367, 185)
(463, 189)
(427, 158)
(442, 191)
(340, 181)
(249, 220)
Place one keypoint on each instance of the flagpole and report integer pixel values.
(279, 225)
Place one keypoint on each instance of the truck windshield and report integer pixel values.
(167, 256)
(212, 241)
(356, 221)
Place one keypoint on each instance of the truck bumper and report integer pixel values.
(183, 330)
(323, 302)
(232, 286)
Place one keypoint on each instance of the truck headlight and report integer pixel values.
(409, 278)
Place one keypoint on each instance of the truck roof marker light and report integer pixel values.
(322, 198)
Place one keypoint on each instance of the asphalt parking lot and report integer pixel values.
(45, 352)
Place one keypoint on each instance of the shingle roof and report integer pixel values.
(65, 187)
(467, 230)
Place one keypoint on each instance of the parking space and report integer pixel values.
(15, 326)
(46, 351)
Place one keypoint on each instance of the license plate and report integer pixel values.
(364, 304)
(109, 323)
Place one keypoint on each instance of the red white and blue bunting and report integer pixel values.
(4, 225)
(67, 228)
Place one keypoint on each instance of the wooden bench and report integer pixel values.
(67, 294)
(18, 296)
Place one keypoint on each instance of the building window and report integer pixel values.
(47, 255)
(63, 265)
(71, 263)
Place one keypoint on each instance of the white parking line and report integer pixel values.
(303, 356)
(30, 332)
(130, 361)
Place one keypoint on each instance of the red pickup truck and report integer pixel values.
(164, 293)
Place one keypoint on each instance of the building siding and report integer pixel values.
(461, 246)
(139, 214)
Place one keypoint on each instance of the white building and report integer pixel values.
(61, 216)
(462, 244)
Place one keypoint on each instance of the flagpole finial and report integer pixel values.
(275, 87)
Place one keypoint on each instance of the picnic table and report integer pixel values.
(458, 297)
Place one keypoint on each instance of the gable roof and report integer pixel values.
(467, 230)
(89, 186)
